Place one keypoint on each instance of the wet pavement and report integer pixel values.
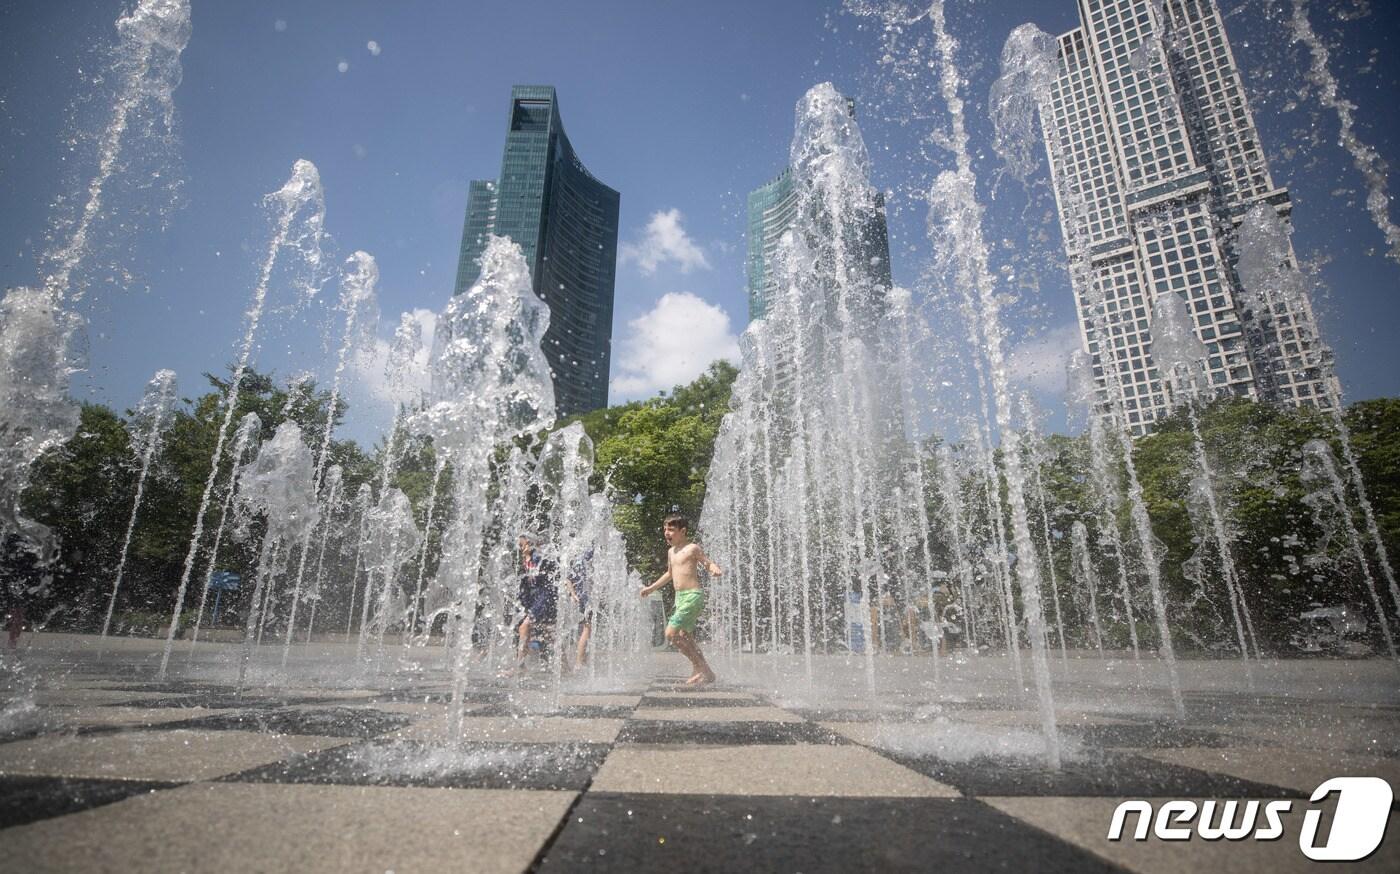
(112, 770)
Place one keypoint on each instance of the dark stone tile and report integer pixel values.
(643, 731)
(818, 714)
(582, 711)
(219, 701)
(174, 687)
(596, 711)
(30, 799)
(686, 701)
(678, 685)
(477, 765)
(1151, 735)
(910, 713)
(435, 696)
(327, 722)
(407, 696)
(1100, 774)
(701, 833)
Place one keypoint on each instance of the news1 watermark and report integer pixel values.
(1358, 822)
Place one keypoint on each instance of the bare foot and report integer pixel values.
(703, 679)
(695, 679)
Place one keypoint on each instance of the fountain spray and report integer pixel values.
(157, 403)
(358, 282)
(300, 212)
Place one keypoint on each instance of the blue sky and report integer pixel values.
(681, 106)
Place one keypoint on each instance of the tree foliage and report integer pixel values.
(653, 456)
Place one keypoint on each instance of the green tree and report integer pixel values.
(653, 457)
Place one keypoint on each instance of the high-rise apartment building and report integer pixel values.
(772, 209)
(1156, 160)
(565, 222)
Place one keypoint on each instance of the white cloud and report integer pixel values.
(665, 241)
(370, 366)
(1039, 363)
(672, 345)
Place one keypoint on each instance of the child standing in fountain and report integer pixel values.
(682, 559)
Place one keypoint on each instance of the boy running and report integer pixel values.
(682, 558)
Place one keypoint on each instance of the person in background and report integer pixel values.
(579, 584)
(538, 599)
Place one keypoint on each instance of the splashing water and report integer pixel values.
(974, 271)
(1087, 578)
(1029, 63)
(1180, 357)
(1035, 460)
(1328, 499)
(155, 406)
(331, 505)
(566, 463)
(950, 493)
(490, 383)
(439, 465)
(1083, 395)
(1095, 297)
(246, 442)
(393, 539)
(299, 210)
(1272, 282)
(1363, 155)
(358, 281)
(364, 500)
(36, 364)
(808, 385)
(279, 487)
(147, 69)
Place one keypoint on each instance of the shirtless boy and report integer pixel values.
(682, 558)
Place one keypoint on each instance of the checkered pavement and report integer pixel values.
(122, 775)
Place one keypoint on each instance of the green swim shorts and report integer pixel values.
(689, 603)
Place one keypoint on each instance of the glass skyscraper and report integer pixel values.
(565, 222)
(1156, 161)
(771, 209)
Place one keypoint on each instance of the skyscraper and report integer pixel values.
(1156, 162)
(565, 222)
(772, 208)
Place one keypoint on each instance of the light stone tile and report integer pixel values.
(994, 717)
(1340, 729)
(716, 714)
(267, 827)
(860, 732)
(1083, 717)
(600, 700)
(1303, 770)
(1029, 718)
(797, 769)
(347, 695)
(416, 709)
(527, 729)
(1084, 822)
(83, 717)
(177, 755)
(704, 696)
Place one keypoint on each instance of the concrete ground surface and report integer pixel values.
(104, 768)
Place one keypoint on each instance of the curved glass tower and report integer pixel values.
(565, 221)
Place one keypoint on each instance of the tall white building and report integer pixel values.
(1156, 161)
